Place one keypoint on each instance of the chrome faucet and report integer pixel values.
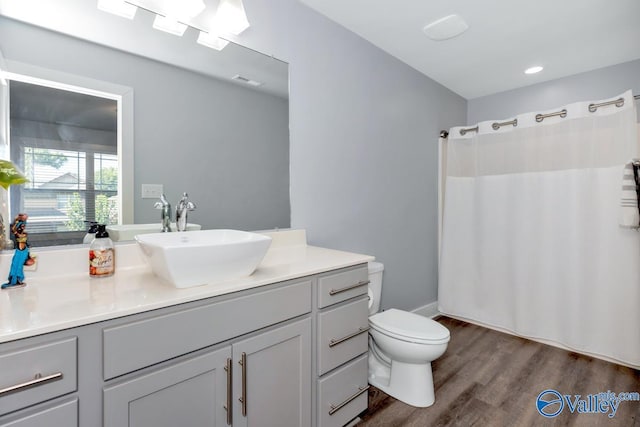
(184, 206)
(166, 213)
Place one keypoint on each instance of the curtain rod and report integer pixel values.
(540, 117)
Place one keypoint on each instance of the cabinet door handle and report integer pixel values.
(348, 288)
(228, 368)
(336, 408)
(38, 379)
(335, 342)
(243, 398)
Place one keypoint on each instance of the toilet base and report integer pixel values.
(407, 382)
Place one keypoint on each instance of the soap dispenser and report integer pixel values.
(101, 254)
(91, 232)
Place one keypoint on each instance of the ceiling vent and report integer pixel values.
(245, 80)
(446, 28)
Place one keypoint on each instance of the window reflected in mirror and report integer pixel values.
(66, 144)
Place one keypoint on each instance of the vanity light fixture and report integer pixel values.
(212, 40)
(118, 7)
(174, 13)
(230, 17)
(534, 70)
(169, 25)
(175, 16)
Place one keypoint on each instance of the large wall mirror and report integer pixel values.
(67, 135)
(93, 117)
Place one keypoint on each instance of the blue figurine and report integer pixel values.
(21, 255)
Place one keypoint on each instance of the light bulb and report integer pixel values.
(230, 17)
(212, 40)
(169, 25)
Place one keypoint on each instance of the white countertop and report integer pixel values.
(55, 299)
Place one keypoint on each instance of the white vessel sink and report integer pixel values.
(122, 232)
(203, 257)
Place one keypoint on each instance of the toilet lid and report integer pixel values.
(409, 325)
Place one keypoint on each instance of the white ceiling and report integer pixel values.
(505, 37)
(62, 107)
(82, 19)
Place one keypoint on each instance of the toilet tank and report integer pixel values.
(375, 286)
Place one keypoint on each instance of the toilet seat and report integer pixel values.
(409, 327)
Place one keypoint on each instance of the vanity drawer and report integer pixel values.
(343, 285)
(342, 334)
(37, 373)
(136, 345)
(61, 414)
(342, 395)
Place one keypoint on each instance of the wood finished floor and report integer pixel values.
(487, 378)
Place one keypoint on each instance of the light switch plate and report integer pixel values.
(152, 191)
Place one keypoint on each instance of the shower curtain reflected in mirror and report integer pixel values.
(530, 240)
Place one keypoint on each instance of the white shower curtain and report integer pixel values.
(531, 242)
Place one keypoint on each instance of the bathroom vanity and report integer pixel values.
(286, 346)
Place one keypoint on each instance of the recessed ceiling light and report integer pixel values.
(533, 70)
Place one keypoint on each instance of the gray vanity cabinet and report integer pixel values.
(289, 354)
(263, 380)
(59, 414)
(32, 374)
(188, 392)
(272, 378)
(341, 346)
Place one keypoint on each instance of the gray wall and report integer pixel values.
(597, 84)
(225, 145)
(364, 130)
(363, 140)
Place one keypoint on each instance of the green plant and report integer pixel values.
(10, 174)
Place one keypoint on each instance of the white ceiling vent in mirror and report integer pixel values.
(446, 28)
(245, 80)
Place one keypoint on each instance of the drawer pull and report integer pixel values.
(243, 397)
(38, 379)
(348, 288)
(336, 408)
(228, 367)
(348, 337)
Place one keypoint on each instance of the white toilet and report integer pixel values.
(402, 346)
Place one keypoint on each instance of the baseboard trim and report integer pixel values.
(429, 310)
(354, 422)
(541, 340)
